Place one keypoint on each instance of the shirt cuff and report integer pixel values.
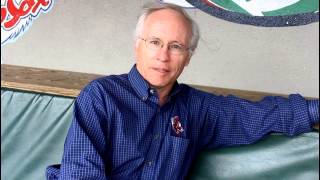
(313, 106)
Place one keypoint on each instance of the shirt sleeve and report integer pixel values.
(234, 121)
(313, 106)
(85, 144)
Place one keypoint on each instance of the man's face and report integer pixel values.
(160, 67)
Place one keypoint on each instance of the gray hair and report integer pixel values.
(152, 7)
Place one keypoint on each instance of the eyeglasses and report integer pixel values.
(173, 48)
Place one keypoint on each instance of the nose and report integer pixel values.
(163, 54)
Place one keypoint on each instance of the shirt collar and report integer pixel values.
(138, 83)
(141, 86)
(176, 88)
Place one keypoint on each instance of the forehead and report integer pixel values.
(167, 24)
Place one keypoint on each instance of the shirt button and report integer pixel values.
(149, 163)
(144, 98)
(156, 137)
(152, 91)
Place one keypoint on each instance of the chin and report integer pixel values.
(158, 83)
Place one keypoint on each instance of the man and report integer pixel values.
(145, 125)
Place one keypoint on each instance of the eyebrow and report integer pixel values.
(153, 37)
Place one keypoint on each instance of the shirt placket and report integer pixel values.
(157, 135)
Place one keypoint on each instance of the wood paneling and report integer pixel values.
(48, 81)
(68, 83)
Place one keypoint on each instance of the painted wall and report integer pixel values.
(97, 37)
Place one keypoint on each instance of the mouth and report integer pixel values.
(161, 70)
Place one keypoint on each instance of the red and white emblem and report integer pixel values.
(176, 125)
(17, 16)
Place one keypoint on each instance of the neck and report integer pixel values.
(163, 93)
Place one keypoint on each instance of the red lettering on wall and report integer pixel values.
(11, 14)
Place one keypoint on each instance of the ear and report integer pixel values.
(136, 47)
(188, 58)
(136, 44)
(187, 61)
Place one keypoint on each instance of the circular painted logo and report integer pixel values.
(269, 13)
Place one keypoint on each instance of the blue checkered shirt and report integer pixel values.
(120, 132)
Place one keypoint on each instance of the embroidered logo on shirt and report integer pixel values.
(176, 125)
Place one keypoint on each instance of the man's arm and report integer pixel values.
(85, 145)
(234, 121)
(313, 106)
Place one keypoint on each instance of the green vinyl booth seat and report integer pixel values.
(34, 127)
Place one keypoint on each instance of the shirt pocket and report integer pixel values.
(173, 156)
(178, 146)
